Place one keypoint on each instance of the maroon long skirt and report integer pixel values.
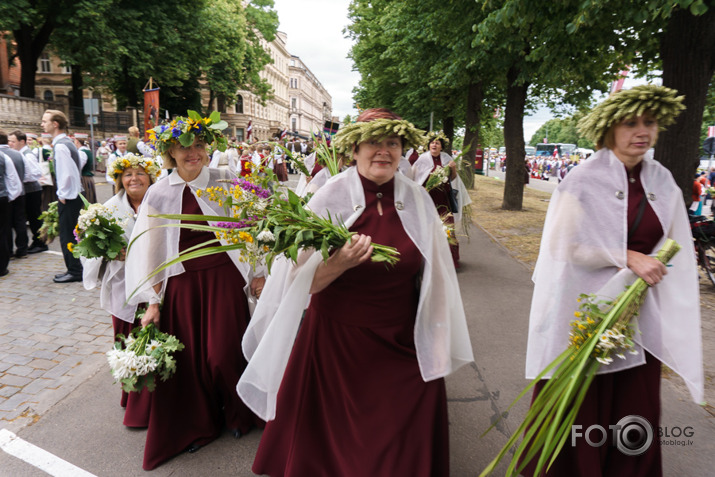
(440, 197)
(206, 309)
(137, 405)
(611, 397)
(352, 402)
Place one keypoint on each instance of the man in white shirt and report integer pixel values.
(66, 159)
(17, 206)
(10, 189)
(33, 189)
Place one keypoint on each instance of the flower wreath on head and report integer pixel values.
(437, 135)
(377, 130)
(659, 101)
(119, 165)
(184, 130)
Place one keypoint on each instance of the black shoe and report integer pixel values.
(37, 249)
(5, 272)
(61, 274)
(23, 255)
(193, 448)
(67, 278)
(235, 433)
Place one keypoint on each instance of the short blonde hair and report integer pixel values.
(134, 131)
(58, 117)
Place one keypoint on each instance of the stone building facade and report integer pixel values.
(310, 104)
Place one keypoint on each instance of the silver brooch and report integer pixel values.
(379, 195)
(357, 207)
(620, 195)
(399, 205)
(651, 196)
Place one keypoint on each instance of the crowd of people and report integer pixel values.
(342, 361)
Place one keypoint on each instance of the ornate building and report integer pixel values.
(300, 103)
(310, 104)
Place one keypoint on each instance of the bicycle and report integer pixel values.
(703, 230)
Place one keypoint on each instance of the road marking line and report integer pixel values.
(37, 457)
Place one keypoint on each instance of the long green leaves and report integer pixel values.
(548, 422)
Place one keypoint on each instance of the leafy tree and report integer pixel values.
(677, 37)
(34, 22)
(527, 41)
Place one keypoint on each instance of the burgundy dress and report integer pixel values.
(206, 309)
(137, 404)
(612, 396)
(440, 197)
(352, 401)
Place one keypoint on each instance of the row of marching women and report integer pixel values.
(340, 357)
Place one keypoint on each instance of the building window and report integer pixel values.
(45, 66)
(294, 103)
(67, 70)
(294, 124)
(239, 104)
(48, 95)
(239, 135)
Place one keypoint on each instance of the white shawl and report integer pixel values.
(421, 170)
(583, 250)
(161, 244)
(441, 336)
(303, 180)
(112, 296)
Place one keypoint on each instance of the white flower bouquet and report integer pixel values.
(439, 176)
(98, 232)
(136, 360)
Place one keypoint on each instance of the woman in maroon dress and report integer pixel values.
(443, 195)
(358, 396)
(204, 306)
(605, 220)
(132, 175)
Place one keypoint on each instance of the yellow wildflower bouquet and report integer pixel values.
(262, 224)
(602, 329)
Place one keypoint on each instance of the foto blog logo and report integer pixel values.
(632, 435)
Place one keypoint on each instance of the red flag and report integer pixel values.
(556, 152)
(151, 110)
(284, 132)
(618, 84)
(249, 130)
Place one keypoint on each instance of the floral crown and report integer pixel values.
(377, 129)
(184, 130)
(659, 101)
(437, 136)
(120, 164)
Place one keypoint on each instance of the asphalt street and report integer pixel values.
(83, 425)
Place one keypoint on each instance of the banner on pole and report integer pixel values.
(151, 110)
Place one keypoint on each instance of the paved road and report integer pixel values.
(84, 426)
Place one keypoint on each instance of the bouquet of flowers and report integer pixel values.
(296, 159)
(98, 232)
(439, 176)
(50, 223)
(261, 225)
(602, 330)
(136, 360)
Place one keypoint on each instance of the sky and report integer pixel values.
(315, 34)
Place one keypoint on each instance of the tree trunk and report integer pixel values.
(475, 97)
(77, 96)
(29, 49)
(688, 53)
(514, 140)
(448, 129)
(210, 106)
